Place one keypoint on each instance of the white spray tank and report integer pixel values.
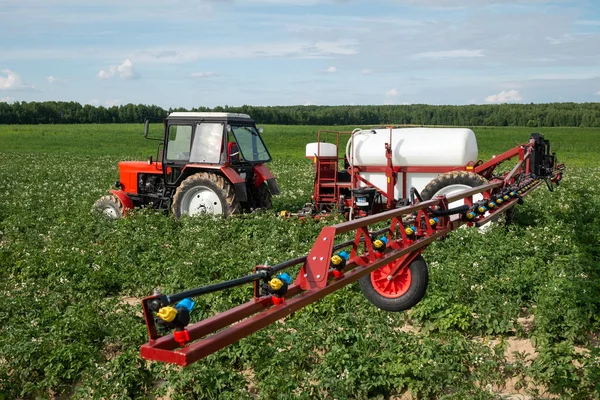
(411, 147)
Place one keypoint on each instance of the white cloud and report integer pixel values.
(52, 80)
(298, 49)
(598, 93)
(443, 4)
(203, 74)
(367, 71)
(567, 76)
(462, 53)
(566, 38)
(591, 22)
(107, 103)
(12, 81)
(392, 92)
(505, 96)
(7, 99)
(331, 69)
(110, 103)
(123, 71)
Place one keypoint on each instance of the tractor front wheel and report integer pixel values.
(110, 206)
(397, 292)
(205, 193)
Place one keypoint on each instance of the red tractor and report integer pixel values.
(207, 163)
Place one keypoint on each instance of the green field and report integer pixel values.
(513, 311)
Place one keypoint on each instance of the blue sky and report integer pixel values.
(281, 52)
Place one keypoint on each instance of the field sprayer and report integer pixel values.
(207, 162)
(380, 166)
(386, 261)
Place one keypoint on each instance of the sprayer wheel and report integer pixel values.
(205, 193)
(110, 206)
(452, 182)
(399, 292)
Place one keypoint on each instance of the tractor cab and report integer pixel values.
(201, 138)
(213, 138)
(207, 162)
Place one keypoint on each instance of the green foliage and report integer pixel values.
(531, 115)
(71, 283)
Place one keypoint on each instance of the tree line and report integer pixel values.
(532, 115)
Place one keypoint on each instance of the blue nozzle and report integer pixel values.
(186, 303)
(344, 254)
(384, 240)
(285, 277)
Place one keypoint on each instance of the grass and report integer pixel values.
(574, 145)
(70, 284)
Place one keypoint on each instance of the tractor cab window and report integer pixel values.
(180, 140)
(208, 143)
(250, 144)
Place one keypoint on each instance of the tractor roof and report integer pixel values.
(221, 115)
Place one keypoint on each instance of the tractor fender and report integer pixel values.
(238, 182)
(262, 174)
(124, 198)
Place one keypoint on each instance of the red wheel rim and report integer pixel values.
(393, 287)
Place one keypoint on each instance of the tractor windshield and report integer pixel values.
(250, 143)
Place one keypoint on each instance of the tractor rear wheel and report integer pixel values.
(205, 193)
(262, 197)
(110, 206)
(400, 291)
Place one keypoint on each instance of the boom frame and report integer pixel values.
(318, 277)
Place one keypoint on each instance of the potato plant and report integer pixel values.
(71, 283)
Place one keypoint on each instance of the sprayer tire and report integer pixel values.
(205, 193)
(110, 206)
(415, 278)
(454, 178)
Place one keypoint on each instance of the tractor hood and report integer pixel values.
(129, 170)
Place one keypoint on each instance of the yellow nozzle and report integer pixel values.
(409, 231)
(378, 244)
(167, 314)
(336, 260)
(283, 213)
(275, 283)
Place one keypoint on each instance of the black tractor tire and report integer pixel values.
(509, 215)
(223, 201)
(417, 286)
(262, 197)
(452, 178)
(110, 206)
